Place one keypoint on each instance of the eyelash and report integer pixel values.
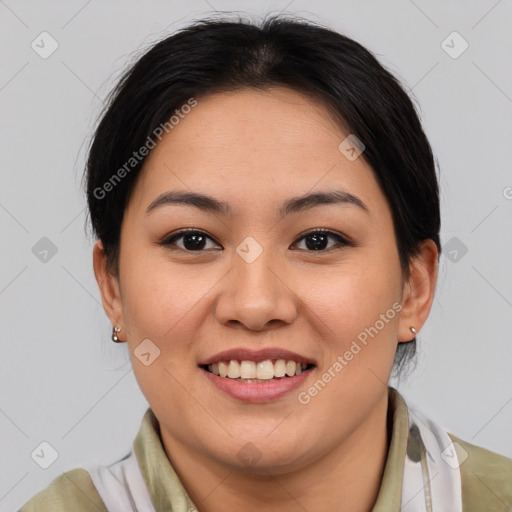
(170, 241)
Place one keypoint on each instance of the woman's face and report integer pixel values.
(250, 286)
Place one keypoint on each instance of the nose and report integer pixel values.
(256, 295)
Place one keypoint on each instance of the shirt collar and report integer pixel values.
(167, 491)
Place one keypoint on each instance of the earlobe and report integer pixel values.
(419, 290)
(108, 284)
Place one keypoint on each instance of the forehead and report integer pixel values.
(273, 119)
(258, 144)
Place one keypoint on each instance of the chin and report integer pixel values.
(262, 456)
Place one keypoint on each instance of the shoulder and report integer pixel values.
(73, 491)
(486, 478)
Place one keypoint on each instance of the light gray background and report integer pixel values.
(63, 381)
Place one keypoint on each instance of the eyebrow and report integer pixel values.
(290, 206)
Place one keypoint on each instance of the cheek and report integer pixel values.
(351, 297)
(163, 304)
(359, 314)
(359, 310)
(162, 299)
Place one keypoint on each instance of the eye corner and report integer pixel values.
(169, 240)
(341, 240)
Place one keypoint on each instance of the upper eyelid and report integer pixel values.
(184, 232)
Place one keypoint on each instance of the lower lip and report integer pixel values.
(257, 392)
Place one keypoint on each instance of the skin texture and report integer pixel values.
(255, 149)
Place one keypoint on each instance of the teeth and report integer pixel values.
(291, 366)
(234, 370)
(280, 368)
(264, 370)
(248, 370)
(223, 369)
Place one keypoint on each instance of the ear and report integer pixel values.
(418, 290)
(108, 284)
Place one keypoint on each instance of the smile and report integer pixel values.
(254, 372)
(257, 382)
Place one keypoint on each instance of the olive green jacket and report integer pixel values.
(486, 476)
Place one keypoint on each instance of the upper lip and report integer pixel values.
(244, 354)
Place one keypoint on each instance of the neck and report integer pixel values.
(345, 479)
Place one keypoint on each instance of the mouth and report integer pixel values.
(254, 372)
(257, 376)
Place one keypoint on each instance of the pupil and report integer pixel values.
(194, 241)
(318, 239)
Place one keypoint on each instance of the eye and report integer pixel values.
(317, 239)
(193, 240)
(196, 241)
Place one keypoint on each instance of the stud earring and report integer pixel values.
(115, 331)
(413, 330)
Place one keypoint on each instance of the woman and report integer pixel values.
(266, 209)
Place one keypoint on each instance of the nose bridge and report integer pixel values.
(255, 271)
(256, 292)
